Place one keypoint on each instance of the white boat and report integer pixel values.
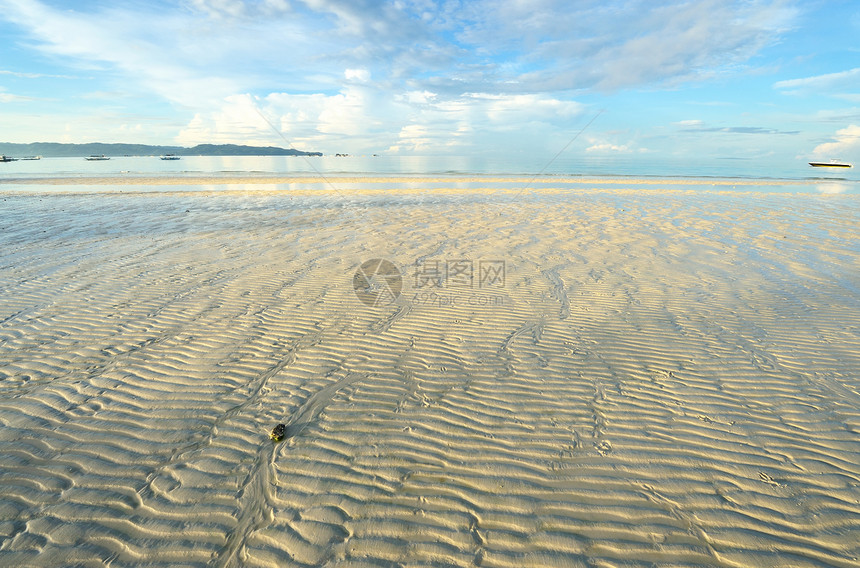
(94, 158)
(830, 164)
(170, 157)
(7, 159)
(32, 158)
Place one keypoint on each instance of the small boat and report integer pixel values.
(32, 158)
(7, 159)
(830, 164)
(95, 158)
(170, 157)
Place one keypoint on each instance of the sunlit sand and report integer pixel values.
(586, 377)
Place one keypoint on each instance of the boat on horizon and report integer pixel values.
(169, 157)
(4, 158)
(95, 158)
(830, 164)
(32, 158)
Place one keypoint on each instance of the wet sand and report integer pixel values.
(566, 378)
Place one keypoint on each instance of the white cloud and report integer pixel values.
(124, 42)
(847, 142)
(618, 44)
(358, 75)
(223, 47)
(240, 9)
(516, 109)
(364, 75)
(220, 8)
(368, 119)
(607, 147)
(239, 118)
(12, 98)
(189, 58)
(415, 138)
(352, 120)
(522, 123)
(418, 97)
(690, 40)
(90, 126)
(24, 75)
(826, 82)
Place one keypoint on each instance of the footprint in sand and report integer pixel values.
(768, 479)
(603, 447)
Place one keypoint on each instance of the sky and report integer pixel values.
(767, 80)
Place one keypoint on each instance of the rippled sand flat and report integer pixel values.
(630, 378)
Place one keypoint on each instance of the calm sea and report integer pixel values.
(746, 172)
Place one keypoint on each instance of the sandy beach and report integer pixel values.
(553, 377)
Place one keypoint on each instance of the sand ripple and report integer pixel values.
(662, 379)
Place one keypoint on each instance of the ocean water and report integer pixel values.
(798, 176)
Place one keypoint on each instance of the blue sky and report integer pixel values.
(765, 80)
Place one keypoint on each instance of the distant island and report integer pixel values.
(58, 150)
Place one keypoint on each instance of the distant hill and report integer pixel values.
(57, 150)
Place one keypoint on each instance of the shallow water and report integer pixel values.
(169, 183)
(455, 166)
